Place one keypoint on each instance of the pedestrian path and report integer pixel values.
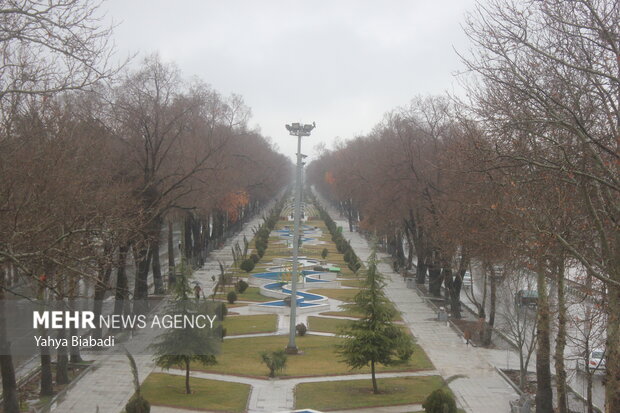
(480, 389)
(108, 384)
(277, 395)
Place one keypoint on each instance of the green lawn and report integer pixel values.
(342, 294)
(357, 394)
(242, 356)
(248, 324)
(329, 325)
(251, 294)
(351, 313)
(169, 390)
(326, 325)
(355, 283)
(422, 411)
(275, 250)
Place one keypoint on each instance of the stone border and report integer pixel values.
(509, 381)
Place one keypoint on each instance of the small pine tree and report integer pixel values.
(440, 401)
(231, 297)
(324, 253)
(374, 339)
(180, 346)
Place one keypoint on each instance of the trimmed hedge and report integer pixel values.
(342, 245)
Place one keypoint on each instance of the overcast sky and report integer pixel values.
(342, 64)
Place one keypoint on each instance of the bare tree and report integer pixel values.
(547, 92)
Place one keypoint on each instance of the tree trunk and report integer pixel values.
(492, 307)
(560, 342)
(187, 389)
(197, 242)
(10, 402)
(493, 299)
(589, 400)
(612, 376)
(47, 380)
(544, 394)
(588, 335)
(421, 270)
(522, 372)
(158, 281)
(9, 385)
(62, 360)
(74, 351)
(62, 356)
(455, 294)
(101, 287)
(187, 237)
(121, 303)
(350, 216)
(375, 388)
(400, 252)
(434, 280)
(142, 257)
(410, 247)
(171, 262)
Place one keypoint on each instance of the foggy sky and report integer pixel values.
(342, 64)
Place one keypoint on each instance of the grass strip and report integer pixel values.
(357, 394)
(169, 390)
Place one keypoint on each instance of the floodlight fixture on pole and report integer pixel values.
(299, 130)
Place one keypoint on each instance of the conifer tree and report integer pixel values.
(374, 339)
(180, 346)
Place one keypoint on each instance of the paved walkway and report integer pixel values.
(108, 384)
(277, 395)
(483, 390)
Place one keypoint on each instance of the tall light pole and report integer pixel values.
(299, 130)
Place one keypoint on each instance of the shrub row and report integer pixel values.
(261, 237)
(342, 245)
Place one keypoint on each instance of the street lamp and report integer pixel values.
(299, 130)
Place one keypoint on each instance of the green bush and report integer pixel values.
(274, 360)
(340, 245)
(221, 311)
(247, 265)
(354, 266)
(231, 297)
(324, 253)
(260, 251)
(137, 404)
(440, 401)
(260, 243)
(242, 286)
(255, 258)
(301, 329)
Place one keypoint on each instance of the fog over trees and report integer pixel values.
(523, 173)
(102, 162)
(97, 159)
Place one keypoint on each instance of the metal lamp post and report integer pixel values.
(299, 130)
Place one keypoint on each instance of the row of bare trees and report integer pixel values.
(524, 172)
(96, 159)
